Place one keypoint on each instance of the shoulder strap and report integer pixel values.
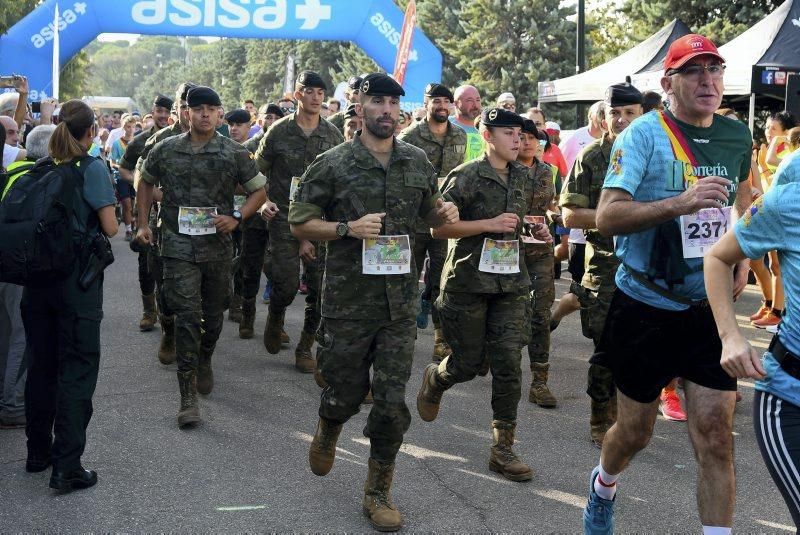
(642, 279)
(75, 180)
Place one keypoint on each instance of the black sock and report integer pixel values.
(768, 303)
(777, 311)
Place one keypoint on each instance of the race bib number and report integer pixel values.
(238, 202)
(499, 256)
(293, 187)
(533, 220)
(197, 220)
(703, 229)
(386, 255)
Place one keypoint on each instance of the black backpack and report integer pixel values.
(37, 245)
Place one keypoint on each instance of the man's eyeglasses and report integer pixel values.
(716, 71)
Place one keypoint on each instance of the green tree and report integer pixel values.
(11, 11)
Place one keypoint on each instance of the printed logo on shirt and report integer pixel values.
(616, 162)
(753, 210)
(698, 140)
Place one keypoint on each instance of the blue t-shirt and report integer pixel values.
(98, 191)
(773, 223)
(643, 164)
(787, 171)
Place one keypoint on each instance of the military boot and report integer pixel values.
(323, 448)
(205, 375)
(502, 459)
(430, 393)
(149, 314)
(378, 506)
(440, 347)
(303, 360)
(235, 308)
(285, 340)
(318, 378)
(190, 412)
(272, 332)
(248, 318)
(600, 421)
(540, 393)
(166, 349)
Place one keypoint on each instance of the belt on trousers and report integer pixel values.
(789, 362)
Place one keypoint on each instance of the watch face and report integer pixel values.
(237, 214)
(341, 230)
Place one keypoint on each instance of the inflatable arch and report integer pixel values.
(373, 25)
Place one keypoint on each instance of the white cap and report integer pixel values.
(506, 96)
(550, 125)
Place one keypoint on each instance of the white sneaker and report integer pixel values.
(772, 329)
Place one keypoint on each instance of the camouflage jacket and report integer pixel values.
(255, 222)
(337, 120)
(161, 135)
(206, 178)
(542, 191)
(285, 152)
(582, 190)
(347, 183)
(252, 143)
(480, 193)
(135, 148)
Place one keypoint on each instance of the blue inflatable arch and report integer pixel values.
(373, 25)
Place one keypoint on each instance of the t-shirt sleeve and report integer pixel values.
(116, 151)
(314, 193)
(628, 160)
(760, 229)
(98, 189)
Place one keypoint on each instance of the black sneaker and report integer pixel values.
(75, 479)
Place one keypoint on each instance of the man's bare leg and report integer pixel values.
(629, 435)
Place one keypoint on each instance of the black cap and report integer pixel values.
(354, 83)
(622, 95)
(501, 117)
(272, 108)
(438, 90)
(381, 85)
(350, 111)
(529, 127)
(183, 90)
(162, 101)
(238, 116)
(311, 79)
(199, 95)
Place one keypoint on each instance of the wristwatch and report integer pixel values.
(237, 215)
(342, 229)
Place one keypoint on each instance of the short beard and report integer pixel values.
(378, 130)
(439, 118)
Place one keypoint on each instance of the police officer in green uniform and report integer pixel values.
(352, 95)
(373, 188)
(444, 144)
(127, 165)
(579, 198)
(284, 153)
(539, 260)
(198, 173)
(484, 301)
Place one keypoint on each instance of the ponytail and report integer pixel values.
(76, 118)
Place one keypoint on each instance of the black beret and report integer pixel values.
(350, 111)
(272, 108)
(501, 117)
(238, 116)
(622, 95)
(438, 90)
(529, 127)
(381, 85)
(162, 101)
(354, 83)
(311, 79)
(199, 95)
(183, 90)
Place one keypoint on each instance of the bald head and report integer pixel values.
(8, 103)
(467, 102)
(12, 130)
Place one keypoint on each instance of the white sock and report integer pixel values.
(609, 488)
(716, 530)
(129, 228)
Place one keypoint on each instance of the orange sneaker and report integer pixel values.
(671, 406)
(768, 320)
(760, 313)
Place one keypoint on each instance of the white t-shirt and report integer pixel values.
(576, 235)
(114, 135)
(9, 154)
(572, 146)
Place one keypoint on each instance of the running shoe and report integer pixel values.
(671, 406)
(598, 515)
(267, 290)
(128, 235)
(772, 329)
(760, 313)
(767, 320)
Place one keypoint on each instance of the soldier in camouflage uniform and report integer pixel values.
(484, 302)
(284, 153)
(352, 122)
(579, 198)
(444, 144)
(351, 94)
(127, 166)
(369, 186)
(540, 262)
(198, 173)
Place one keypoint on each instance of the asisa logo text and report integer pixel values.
(65, 18)
(390, 33)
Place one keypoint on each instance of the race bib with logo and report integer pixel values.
(386, 255)
(197, 220)
(701, 230)
(499, 256)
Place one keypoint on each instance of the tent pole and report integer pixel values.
(751, 118)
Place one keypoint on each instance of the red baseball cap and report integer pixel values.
(688, 47)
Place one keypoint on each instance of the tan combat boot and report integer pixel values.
(323, 448)
(440, 347)
(272, 332)
(149, 314)
(166, 349)
(540, 393)
(205, 375)
(502, 459)
(378, 506)
(189, 414)
(235, 308)
(303, 360)
(430, 394)
(600, 421)
(248, 318)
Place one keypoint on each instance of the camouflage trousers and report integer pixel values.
(155, 265)
(197, 293)
(543, 294)
(594, 309)
(236, 267)
(147, 283)
(437, 251)
(347, 349)
(254, 245)
(285, 274)
(498, 324)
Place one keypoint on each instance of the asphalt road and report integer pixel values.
(246, 468)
